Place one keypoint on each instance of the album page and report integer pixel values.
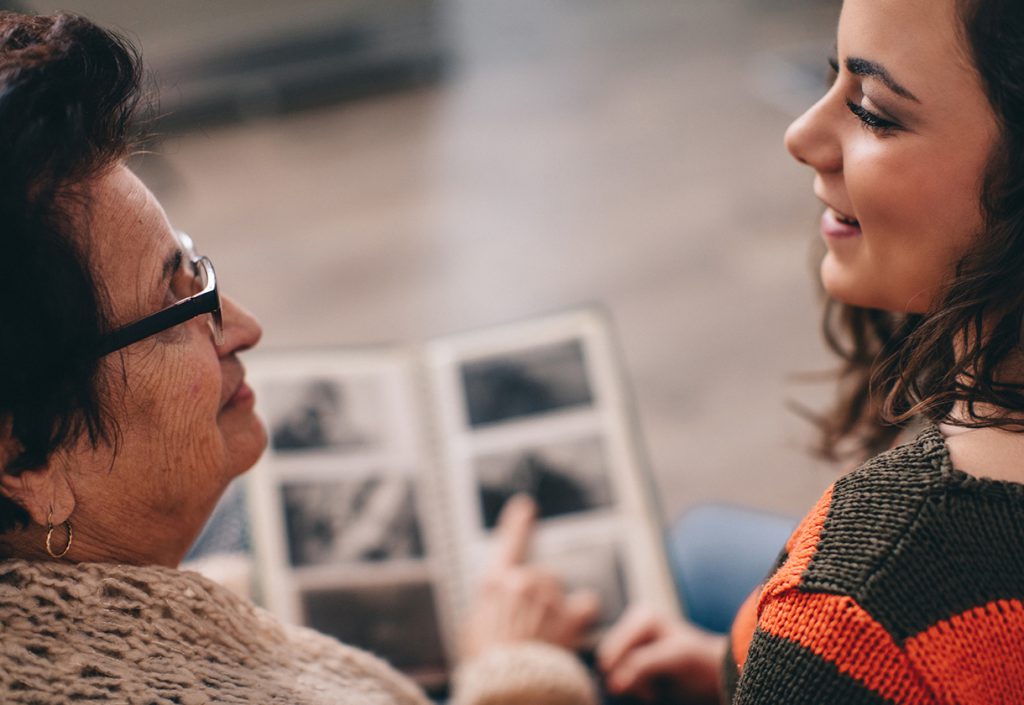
(540, 407)
(375, 503)
(349, 539)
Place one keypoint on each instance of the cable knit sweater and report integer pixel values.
(121, 634)
(904, 586)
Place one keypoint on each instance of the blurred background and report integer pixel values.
(388, 171)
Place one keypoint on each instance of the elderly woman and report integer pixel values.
(125, 414)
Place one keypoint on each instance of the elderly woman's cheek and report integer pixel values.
(188, 397)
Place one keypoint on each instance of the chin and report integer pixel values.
(861, 285)
(846, 287)
(839, 284)
(245, 446)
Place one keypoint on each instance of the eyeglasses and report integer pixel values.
(204, 299)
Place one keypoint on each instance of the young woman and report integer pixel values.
(905, 583)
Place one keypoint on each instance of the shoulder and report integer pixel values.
(316, 656)
(872, 509)
(990, 453)
(907, 573)
(911, 540)
(862, 517)
(143, 634)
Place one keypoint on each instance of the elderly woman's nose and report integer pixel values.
(241, 329)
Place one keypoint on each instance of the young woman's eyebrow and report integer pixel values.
(870, 69)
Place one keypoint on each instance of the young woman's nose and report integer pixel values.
(812, 139)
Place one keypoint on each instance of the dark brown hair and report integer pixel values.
(900, 367)
(68, 94)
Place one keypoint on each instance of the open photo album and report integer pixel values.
(372, 512)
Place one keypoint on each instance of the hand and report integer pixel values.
(650, 656)
(523, 603)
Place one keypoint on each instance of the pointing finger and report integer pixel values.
(515, 529)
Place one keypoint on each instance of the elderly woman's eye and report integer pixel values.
(185, 282)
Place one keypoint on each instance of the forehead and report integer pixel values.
(919, 41)
(123, 213)
(129, 237)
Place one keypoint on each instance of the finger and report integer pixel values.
(581, 610)
(528, 602)
(546, 608)
(515, 529)
(637, 626)
(637, 671)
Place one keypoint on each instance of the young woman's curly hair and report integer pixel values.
(968, 348)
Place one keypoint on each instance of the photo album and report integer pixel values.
(387, 468)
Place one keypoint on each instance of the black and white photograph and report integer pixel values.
(323, 414)
(598, 568)
(398, 622)
(522, 384)
(563, 478)
(370, 519)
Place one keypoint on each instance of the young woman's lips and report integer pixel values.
(836, 227)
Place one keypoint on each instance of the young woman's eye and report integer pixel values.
(871, 121)
(833, 71)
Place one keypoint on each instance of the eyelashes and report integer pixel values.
(871, 121)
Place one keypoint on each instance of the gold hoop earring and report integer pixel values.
(49, 537)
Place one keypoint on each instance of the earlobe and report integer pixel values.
(43, 492)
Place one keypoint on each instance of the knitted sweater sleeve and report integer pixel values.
(517, 674)
(812, 646)
(904, 585)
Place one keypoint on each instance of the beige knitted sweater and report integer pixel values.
(122, 634)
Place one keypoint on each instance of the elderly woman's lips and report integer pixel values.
(235, 389)
(242, 395)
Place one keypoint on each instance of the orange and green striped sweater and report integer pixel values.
(904, 585)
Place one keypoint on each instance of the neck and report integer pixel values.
(94, 545)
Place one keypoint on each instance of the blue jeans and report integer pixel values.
(718, 554)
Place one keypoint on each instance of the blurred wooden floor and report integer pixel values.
(622, 152)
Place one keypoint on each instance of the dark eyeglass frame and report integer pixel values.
(205, 301)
